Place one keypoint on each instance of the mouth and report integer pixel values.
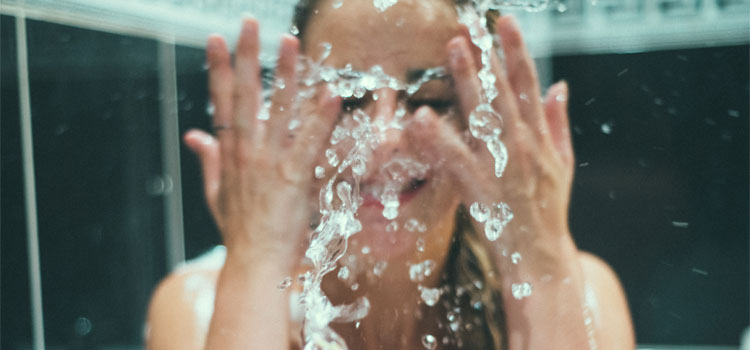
(371, 198)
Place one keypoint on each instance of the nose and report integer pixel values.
(391, 141)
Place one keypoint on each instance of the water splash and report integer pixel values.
(429, 342)
(418, 272)
(521, 290)
(430, 296)
(383, 5)
(495, 217)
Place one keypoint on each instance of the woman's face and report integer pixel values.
(404, 40)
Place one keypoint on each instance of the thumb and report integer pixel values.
(442, 146)
(206, 148)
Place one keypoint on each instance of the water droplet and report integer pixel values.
(680, 224)
(279, 84)
(264, 113)
(413, 225)
(383, 5)
(450, 316)
(355, 286)
(479, 212)
(332, 157)
(366, 250)
(210, 109)
(430, 296)
(515, 257)
(337, 4)
(320, 172)
(343, 273)
(493, 229)
(606, 128)
(420, 244)
(379, 268)
(294, 30)
(391, 227)
(294, 124)
(285, 283)
(500, 153)
(429, 342)
(418, 272)
(358, 166)
(521, 290)
(561, 7)
(82, 326)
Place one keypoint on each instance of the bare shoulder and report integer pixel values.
(606, 300)
(182, 304)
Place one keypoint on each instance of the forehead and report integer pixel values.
(409, 35)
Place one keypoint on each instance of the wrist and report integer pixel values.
(271, 257)
(542, 258)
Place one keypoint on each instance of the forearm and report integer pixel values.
(250, 312)
(554, 314)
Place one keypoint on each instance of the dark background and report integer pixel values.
(660, 137)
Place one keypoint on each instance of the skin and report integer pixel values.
(258, 183)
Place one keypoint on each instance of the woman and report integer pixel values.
(259, 181)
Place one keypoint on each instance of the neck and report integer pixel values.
(398, 317)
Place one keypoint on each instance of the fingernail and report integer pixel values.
(211, 42)
(248, 25)
(563, 95)
(510, 21)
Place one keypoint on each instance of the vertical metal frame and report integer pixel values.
(27, 151)
(174, 233)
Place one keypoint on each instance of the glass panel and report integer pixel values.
(97, 156)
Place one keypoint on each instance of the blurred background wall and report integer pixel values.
(659, 108)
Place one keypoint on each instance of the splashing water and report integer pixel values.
(430, 296)
(495, 218)
(418, 272)
(413, 225)
(520, 290)
(429, 342)
(340, 198)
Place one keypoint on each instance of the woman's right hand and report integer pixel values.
(257, 173)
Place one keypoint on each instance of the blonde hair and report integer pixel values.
(474, 278)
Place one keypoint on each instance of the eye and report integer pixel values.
(440, 106)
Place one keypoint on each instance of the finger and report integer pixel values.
(285, 92)
(221, 87)
(206, 147)
(316, 129)
(464, 72)
(522, 73)
(556, 112)
(476, 52)
(247, 86)
(442, 147)
(469, 90)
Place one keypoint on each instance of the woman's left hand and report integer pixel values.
(537, 180)
(535, 185)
